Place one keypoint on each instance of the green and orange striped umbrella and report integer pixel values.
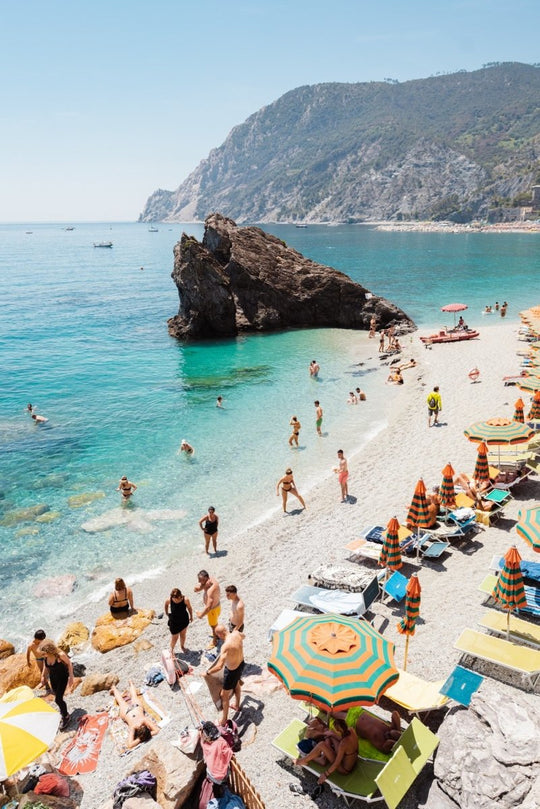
(333, 661)
(499, 432)
(481, 468)
(447, 492)
(418, 515)
(518, 410)
(407, 625)
(530, 384)
(509, 590)
(390, 555)
(528, 527)
(534, 412)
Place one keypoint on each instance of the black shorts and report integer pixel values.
(231, 678)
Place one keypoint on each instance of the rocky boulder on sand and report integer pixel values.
(74, 637)
(6, 649)
(15, 672)
(109, 632)
(98, 681)
(176, 773)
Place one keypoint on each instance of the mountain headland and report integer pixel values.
(243, 279)
(454, 147)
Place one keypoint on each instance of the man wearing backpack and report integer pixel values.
(434, 403)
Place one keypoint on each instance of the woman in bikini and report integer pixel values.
(295, 424)
(141, 728)
(209, 526)
(338, 749)
(121, 600)
(126, 487)
(288, 487)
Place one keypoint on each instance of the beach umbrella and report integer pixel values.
(518, 410)
(418, 515)
(332, 661)
(499, 432)
(530, 384)
(27, 728)
(528, 527)
(535, 346)
(447, 492)
(390, 555)
(407, 624)
(454, 307)
(509, 590)
(534, 412)
(481, 468)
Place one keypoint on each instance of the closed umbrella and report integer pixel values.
(27, 728)
(509, 591)
(407, 625)
(481, 468)
(418, 515)
(534, 412)
(333, 661)
(447, 492)
(528, 527)
(518, 411)
(390, 555)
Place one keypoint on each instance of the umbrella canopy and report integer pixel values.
(509, 591)
(407, 625)
(454, 307)
(27, 728)
(534, 412)
(418, 514)
(390, 556)
(481, 468)
(447, 492)
(499, 432)
(518, 411)
(535, 346)
(333, 661)
(530, 384)
(528, 527)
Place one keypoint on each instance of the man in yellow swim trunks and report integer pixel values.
(209, 586)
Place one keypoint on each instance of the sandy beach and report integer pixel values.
(268, 562)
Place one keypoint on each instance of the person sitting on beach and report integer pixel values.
(434, 497)
(474, 490)
(121, 600)
(382, 735)
(395, 377)
(185, 447)
(352, 398)
(126, 487)
(33, 648)
(338, 749)
(296, 426)
(141, 728)
(360, 395)
(288, 486)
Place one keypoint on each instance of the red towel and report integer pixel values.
(82, 752)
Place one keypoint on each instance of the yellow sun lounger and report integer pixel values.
(503, 653)
(520, 631)
(415, 694)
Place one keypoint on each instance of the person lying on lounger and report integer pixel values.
(382, 735)
(141, 729)
(338, 749)
(474, 490)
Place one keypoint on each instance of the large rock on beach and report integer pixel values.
(243, 279)
(176, 773)
(110, 633)
(489, 755)
(55, 586)
(98, 681)
(74, 637)
(28, 514)
(6, 649)
(14, 672)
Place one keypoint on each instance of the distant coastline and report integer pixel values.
(452, 227)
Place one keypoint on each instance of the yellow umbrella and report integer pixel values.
(27, 729)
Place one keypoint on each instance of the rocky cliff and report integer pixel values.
(448, 146)
(243, 279)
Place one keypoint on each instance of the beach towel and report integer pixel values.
(82, 752)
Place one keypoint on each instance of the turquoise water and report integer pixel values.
(83, 337)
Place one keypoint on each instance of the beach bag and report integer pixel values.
(229, 732)
(52, 784)
(187, 740)
(154, 676)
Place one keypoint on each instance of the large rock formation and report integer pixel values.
(110, 633)
(243, 279)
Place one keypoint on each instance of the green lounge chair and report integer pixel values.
(503, 653)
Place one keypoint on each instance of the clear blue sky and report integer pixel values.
(102, 102)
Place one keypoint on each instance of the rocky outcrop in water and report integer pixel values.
(243, 279)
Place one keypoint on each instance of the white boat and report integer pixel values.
(153, 230)
(102, 244)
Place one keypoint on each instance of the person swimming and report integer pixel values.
(185, 447)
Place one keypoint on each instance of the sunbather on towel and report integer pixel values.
(338, 749)
(382, 735)
(141, 729)
(474, 490)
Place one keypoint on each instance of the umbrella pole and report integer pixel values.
(508, 625)
(406, 653)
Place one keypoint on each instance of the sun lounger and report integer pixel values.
(362, 547)
(395, 586)
(506, 654)
(338, 601)
(416, 695)
(532, 595)
(520, 631)
(432, 548)
(284, 619)
(529, 570)
(461, 685)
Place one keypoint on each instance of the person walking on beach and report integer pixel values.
(236, 620)
(434, 403)
(231, 660)
(126, 487)
(211, 593)
(288, 486)
(210, 529)
(179, 616)
(58, 673)
(381, 342)
(296, 426)
(342, 471)
(314, 368)
(318, 416)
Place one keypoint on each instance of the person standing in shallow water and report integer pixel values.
(314, 368)
(296, 426)
(210, 529)
(126, 487)
(318, 416)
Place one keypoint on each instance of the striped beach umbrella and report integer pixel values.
(418, 514)
(407, 625)
(509, 590)
(518, 410)
(528, 527)
(534, 412)
(390, 555)
(481, 468)
(447, 492)
(499, 432)
(530, 384)
(535, 346)
(27, 728)
(332, 661)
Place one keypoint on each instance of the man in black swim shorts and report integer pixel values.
(231, 660)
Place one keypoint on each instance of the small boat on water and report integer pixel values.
(102, 244)
(450, 336)
(153, 230)
(70, 228)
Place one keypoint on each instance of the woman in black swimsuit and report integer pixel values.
(288, 487)
(121, 600)
(178, 611)
(58, 671)
(210, 528)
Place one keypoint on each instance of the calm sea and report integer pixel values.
(83, 337)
